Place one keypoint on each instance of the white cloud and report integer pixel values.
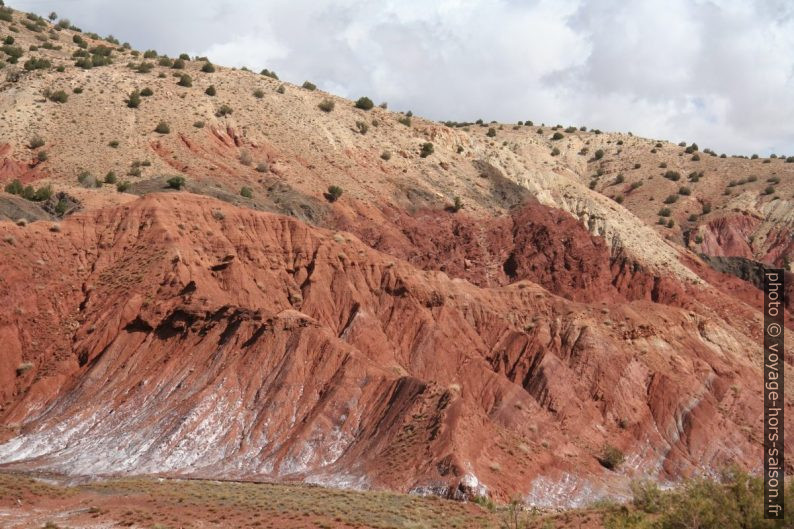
(719, 72)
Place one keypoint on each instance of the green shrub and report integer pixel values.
(268, 73)
(698, 239)
(176, 182)
(364, 103)
(683, 190)
(557, 136)
(198, 124)
(385, 155)
(334, 192)
(309, 86)
(14, 187)
(262, 167)
(178, 64)
(675, 176)
(162, 128)
(427, 150)
(37, 63)
(362, 127)
(695, 157)
(671, 199)
(122, 186)
(491, 132)
(246, 192)
(457, 204)
(224, 110)
(210, 91)
(664, 212)
(670, 223)
(36, 142)
(42, 156)
(207, 67)
(113, 143)
(185, 80)
(150, 54)
(619, 179)
(110, 177)
(13, 53)
(259, 93)
(326, 105)
(769, 190)
(598, 154)
(184, 56)
(144, 67)
(611, 457)
(706, 208)
(77, 90)
(59, 96)
(693, 217)
(134, 99)
(281, 89)
(555, 151)
(146, 92)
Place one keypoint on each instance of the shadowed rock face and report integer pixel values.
(179, 334)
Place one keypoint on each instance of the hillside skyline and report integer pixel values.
(715, 73)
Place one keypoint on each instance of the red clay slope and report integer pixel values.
(180, 334)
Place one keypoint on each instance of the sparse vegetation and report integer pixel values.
(36, 142)
(246, 192)
(598, 154)
(162, 128)
(37, 63)
(611, 457)
(259, 93)
(364, 103)
(671, 199)
(333, 194)
(224, 110)
(176, 182)
(28, 192)
(427, 150)
(185, 80)
(59, 96)
(309, 85)
(385, 155)
(134, 99)
(210, 91)
(326, 105)
(147, 92)
(557, 136)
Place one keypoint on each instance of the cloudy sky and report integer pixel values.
(718, 72)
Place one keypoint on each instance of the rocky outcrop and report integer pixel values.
(179, 334)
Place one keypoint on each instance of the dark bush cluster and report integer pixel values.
(28, 192)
